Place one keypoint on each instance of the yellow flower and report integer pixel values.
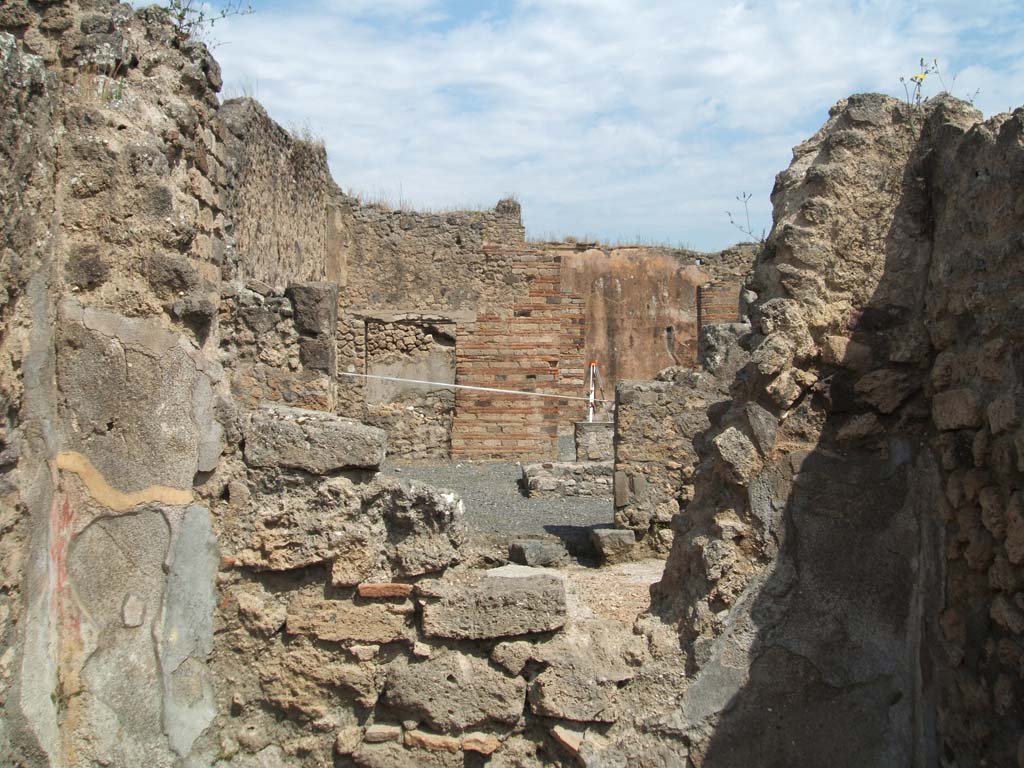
(919, 78)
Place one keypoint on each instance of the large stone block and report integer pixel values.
(316, 307)
(318, 354)
(538, 553)
(886, 389)
(719, 349)
(344, 620)
(138, 400)
(738, 455)
(303, 527)
(585, 670)
(454, 691)
(313, 441)
(375, 532)
(503, 602)
(620, 488)
(425, 525)
(613, 545)
(305, 677)
(956, 409)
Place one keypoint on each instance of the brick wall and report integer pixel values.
(518, 350)
(718, 303)
(574, 366)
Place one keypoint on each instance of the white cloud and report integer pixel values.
(608, 118)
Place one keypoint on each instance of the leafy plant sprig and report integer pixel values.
(744, 198)
(193, 19)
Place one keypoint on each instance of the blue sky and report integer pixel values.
(611, 120)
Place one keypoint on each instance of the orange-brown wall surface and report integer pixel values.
(641, 307)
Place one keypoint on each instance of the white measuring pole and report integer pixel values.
(593, 393)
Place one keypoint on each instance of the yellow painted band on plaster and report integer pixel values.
(108, 495)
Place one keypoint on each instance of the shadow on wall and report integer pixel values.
(808, 580)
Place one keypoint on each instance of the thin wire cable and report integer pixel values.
(468, 386)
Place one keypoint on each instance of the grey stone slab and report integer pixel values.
(138, 399)
(539, 553)
(454, 691)
(503, 602)
(314, 441)
(112, 560)
(187, 630)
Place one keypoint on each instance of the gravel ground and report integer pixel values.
(494, 504)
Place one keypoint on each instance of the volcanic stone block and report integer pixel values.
(620, 489)
(956, 409)
(170, 275)
(738, 455)
(85, 269)
(885, 389)
(318, 354)
(763, 426)
(613, 544)
(538, 553)
(454, 691)
(316, 307)
(503, 602)
(313, 441)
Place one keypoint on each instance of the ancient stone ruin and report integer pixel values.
(205, 359)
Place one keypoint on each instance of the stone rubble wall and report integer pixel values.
(659, 435)
(394, 258)
(197, 572)
(268, 357)
(658, 426)
(594, 440)
(284, 199)
(779, 558)
(851, 535)
(113, 284)
(417, 418)
(576, 478)
(976, 388)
